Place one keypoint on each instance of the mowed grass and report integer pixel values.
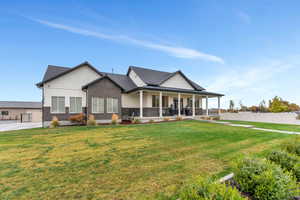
(120, 162)
(283, 127)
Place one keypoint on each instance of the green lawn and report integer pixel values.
(284, 127)
(121, 162)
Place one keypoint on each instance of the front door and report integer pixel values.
(175, 101)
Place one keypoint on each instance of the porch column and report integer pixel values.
(141, 103)
(193, 106)
(206, 105)
(219, 110)
(160, 104)
(179, 104)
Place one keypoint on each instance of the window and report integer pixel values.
(97, 105)
(75, 104)
(112, 105)
(155, 101)
(4, 112)
(165, 101)
(58, 104)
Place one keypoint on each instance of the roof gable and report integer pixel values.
(54, 72)
(122, 81)
(157, 78)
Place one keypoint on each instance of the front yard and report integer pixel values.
(120, 162)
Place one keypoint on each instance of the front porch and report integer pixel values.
(157, 105)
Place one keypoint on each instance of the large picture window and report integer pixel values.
(57, 104)
(97, 105)
(112, 105)
(75, 104)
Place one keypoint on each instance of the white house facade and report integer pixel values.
(141, 93)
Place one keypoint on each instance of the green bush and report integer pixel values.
(264, 180)
(296, 171)
(207, 189)
(244, 172)
(285, 160)
(292, 147)
(136, 121)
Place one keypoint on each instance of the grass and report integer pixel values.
(120, 162)
(284, 127)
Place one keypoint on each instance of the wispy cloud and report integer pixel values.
(244, 17)
(253, 83)
(250, 78)
(180, 52)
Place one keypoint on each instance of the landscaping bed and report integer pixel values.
(274, 177)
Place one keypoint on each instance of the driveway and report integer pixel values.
(13, 125)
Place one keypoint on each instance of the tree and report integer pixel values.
(231, 105)
(262, 106)
(277, 105)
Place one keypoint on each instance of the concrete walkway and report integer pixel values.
(253, 127)
(19, 126)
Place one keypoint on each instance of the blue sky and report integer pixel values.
(248, 50)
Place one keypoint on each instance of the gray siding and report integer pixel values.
(103, 88)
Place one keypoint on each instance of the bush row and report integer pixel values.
(264, 180)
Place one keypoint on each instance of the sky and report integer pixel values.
(247, 50)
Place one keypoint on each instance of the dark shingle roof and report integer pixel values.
(155, 77)
(20, 104)
(123, 81)
(53, 71)
(149, 76)
(57, 71)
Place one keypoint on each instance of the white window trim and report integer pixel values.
(52, 112)
(107, 110)
(70, 106)
(103, 106)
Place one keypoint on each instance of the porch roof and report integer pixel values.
(168, 89)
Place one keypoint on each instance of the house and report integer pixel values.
(142, 93)
(23, 111)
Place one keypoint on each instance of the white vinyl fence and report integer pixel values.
(280, 118)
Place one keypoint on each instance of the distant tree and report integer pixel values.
(254, 109)
(292, 107)
(231, 105)
(262, 106)
(277, 105)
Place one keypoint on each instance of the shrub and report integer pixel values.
(114, 119)
(151, 121)
(166, 119)
(78, 119)
(284, 159)
(296, 170)
(275, 184)
(264, 180)
(292, 147)
(208, 189)
(179, 118)
(136, 121)
(91, 121)
(55, 122)
(245, 170)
